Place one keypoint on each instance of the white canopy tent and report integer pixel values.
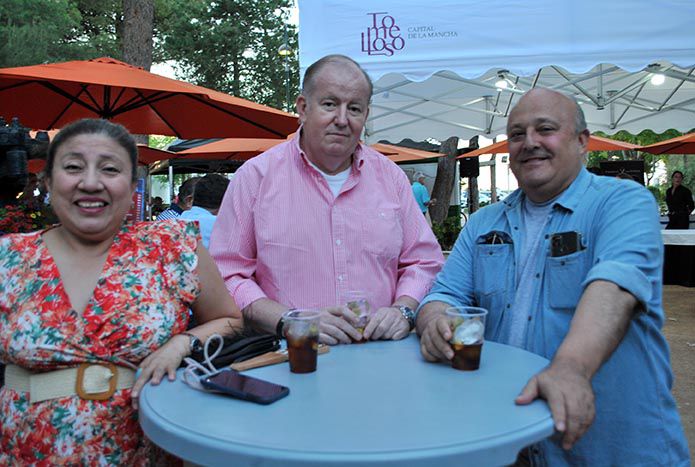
(435, 65)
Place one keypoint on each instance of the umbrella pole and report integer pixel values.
(171, 184)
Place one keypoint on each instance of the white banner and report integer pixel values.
(418, 38)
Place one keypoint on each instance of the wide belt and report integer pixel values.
(90, 381)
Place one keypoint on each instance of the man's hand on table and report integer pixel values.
(434, 342)
(337, 326)
(387, 323)
(570, 396)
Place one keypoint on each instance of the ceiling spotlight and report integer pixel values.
(657, 79)
(501, 82)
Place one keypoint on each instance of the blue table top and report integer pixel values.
(378, 403)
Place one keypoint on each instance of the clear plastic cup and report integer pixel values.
(467, 324)
(301, 329)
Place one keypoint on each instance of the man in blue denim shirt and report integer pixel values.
(591, 303)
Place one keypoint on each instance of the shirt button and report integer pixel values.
(340, 277)
(338, 242)
(529, 318)
(537, 275)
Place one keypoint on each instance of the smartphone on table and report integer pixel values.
(234, 384)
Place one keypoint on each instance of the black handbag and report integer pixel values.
(240, 348)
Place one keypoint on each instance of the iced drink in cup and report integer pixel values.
(357, 303)
(301, 329)
(467, 324)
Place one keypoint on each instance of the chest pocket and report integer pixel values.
(564, 277)
(491, 268)
(382, 232)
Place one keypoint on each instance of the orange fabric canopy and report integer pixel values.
(53, 95)
(401, 154)
(246, 148)
(680, 145)
(596, 143)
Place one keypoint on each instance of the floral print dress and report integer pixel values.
(141, 299)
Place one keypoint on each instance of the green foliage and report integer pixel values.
(447, 232)
(160, 142)
(659, 193)
(45, 31)
(231, 46)
(32, 31)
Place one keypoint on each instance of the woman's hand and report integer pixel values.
(164, 360)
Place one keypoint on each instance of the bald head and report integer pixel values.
(562, 99)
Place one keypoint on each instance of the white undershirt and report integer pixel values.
(335, 182)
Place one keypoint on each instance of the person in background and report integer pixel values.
(183, 203)
(207, 197)
(91, 300)
(157, 207)
(570, 267)
(679, 200)
(322, 215)
(422, 196)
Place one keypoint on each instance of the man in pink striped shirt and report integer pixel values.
(321, 215)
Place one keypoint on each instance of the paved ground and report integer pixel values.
(679, 328)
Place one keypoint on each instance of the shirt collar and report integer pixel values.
(569, 199)
(357, 156)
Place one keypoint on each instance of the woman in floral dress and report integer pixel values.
(94, 289)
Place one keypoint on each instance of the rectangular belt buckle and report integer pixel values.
(95, 396)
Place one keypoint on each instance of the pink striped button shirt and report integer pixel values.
(281, 234)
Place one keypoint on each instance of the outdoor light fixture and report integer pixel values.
(501, 82)
(285, 51)
(657, 79)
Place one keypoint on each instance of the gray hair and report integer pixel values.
(314, 68)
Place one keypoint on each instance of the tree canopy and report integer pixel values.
(231, 46)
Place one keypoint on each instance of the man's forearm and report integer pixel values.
(599, 324)
(264, 314)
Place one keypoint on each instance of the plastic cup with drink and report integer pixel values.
(301, 329)
(357, 303)
(467, 324)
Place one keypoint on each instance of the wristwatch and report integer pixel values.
(195, 345)
(279, 328)
(408, 314)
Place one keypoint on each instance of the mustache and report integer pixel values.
(525, 155)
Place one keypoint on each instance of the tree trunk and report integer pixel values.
(138, 24)
(444, 183)
(473, 196)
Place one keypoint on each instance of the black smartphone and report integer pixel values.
(234, 384)
(565, 243)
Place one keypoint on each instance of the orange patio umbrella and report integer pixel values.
(401, 154)
(239, 149)
(246, 148)
(680, 145)
(596, 143)
(52, 95)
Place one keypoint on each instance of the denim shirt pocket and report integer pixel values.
(564, 278)
(493, 269)
(492, 263)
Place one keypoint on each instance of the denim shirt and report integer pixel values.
(636, 422)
